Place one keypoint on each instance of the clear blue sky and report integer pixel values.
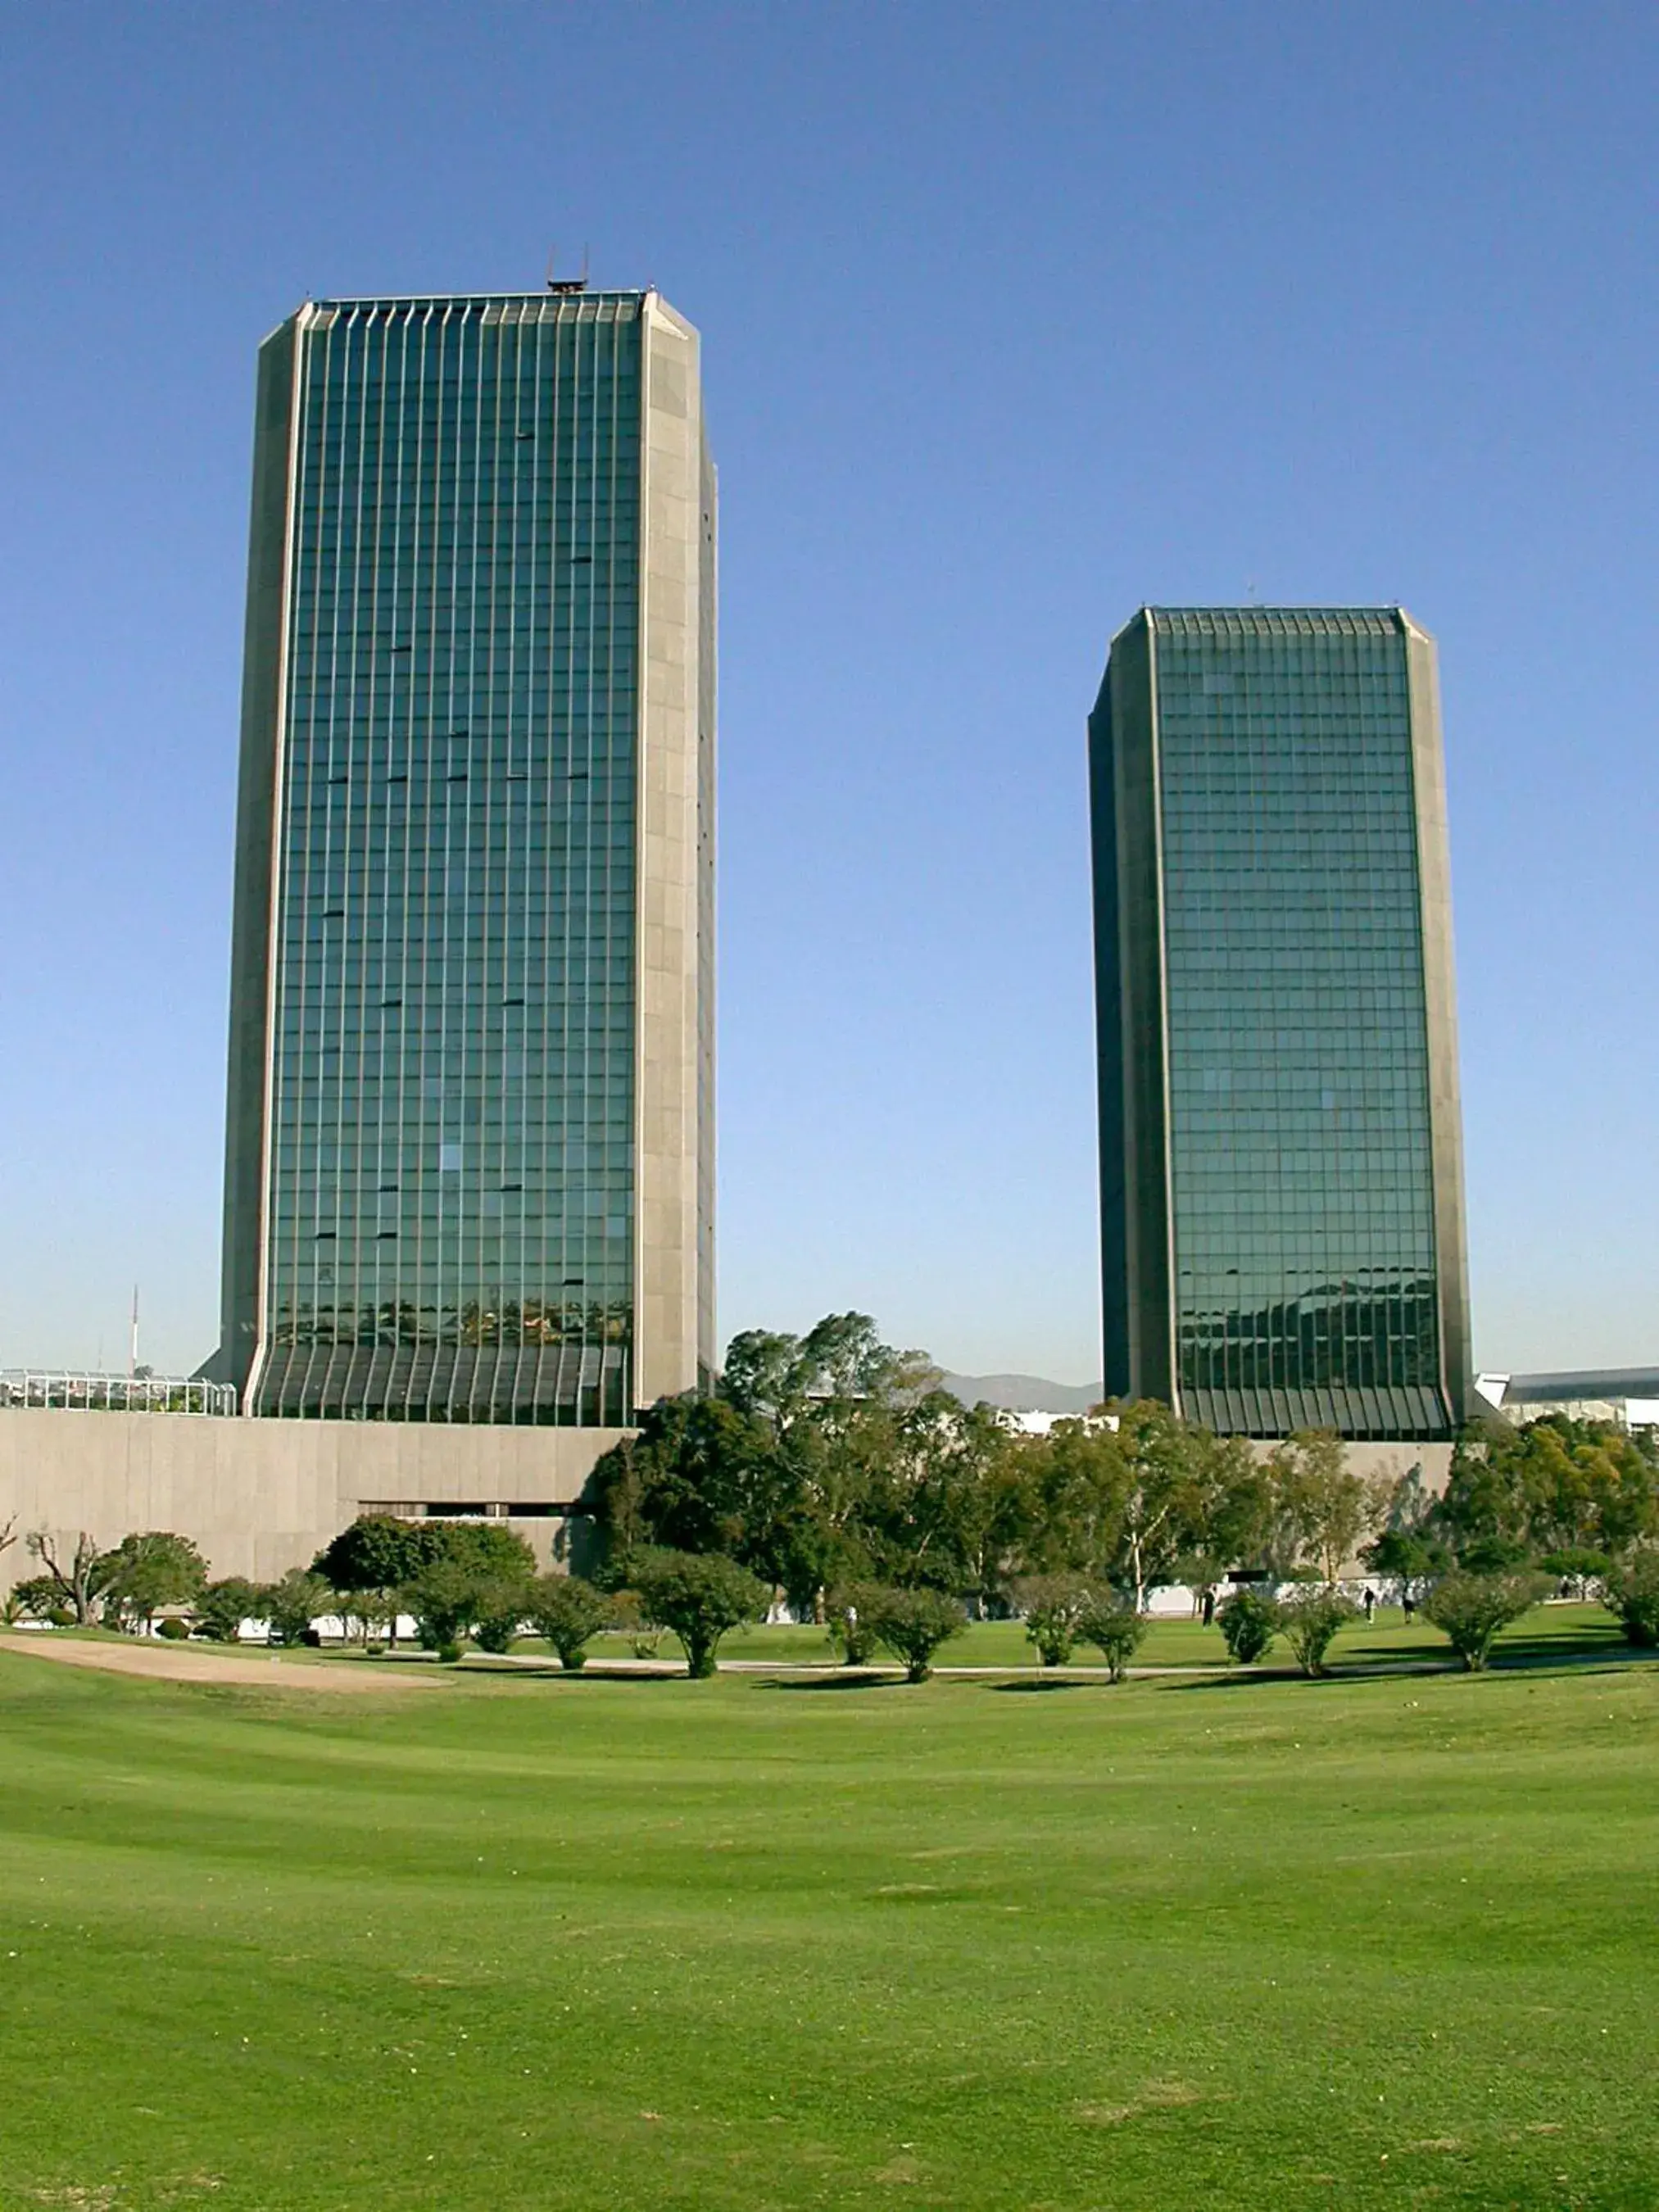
(1014, 317)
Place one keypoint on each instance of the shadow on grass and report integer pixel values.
(1248, 1677)
(554, 1673)
(1025, 1689)
(836, 1681)
(1593, 1644)
(1541, 1655)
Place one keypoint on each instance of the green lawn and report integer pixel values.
(540, 1943)
(1184, 1643)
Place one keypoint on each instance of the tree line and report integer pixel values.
(832, 1472)
(835, 1468)
(831, 1458)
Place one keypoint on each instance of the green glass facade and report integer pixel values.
(438, 1022)
(1282, 1217)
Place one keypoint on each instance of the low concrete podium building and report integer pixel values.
(260, 1497)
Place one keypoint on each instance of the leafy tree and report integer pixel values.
(942, 1508)
(1162, 1495)
(570, 1613)
(223, 1607)
(1114, 1629)
(1405, 1559)
(491, 1550)
(831, 1402)
(1580, 1566)
(698, 1598)
(1053, 1607)
(778, 1471)
(378, 1553)
(1557, 1484)
(700, 1476)
(78, 1575)
(840, 1360)
(912, 1624)
(371, 1562)
(1073, 1485)
(1494, 1555)
(292, 1602)
(1250, 1621)
(459, 1571)
(1632, 1593)
(1472, 1609)
(1322, 1508)
(147, 1571)
(1311, 1620)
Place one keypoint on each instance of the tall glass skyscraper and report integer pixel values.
(470, 1154)
(1281, 1170)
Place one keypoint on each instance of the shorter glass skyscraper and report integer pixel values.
(1282, 1213)
(470, 1152)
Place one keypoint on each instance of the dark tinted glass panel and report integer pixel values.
(450, 1209)
(1301, 1178)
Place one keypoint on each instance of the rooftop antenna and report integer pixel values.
(132, 1355)
(566, 284)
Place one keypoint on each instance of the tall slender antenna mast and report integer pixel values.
(132, 1355)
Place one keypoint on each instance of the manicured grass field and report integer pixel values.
(576, 1944)
(1177, 1642)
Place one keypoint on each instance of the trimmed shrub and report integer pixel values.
(1250, 1621)
(175, 1629)
(698, 1596)
(567, 1611)
(36, 1597)
(291, 1605)
(1471, 1610)
(912, 1624)
(850, 1622)
(1632, 1593)
(224, 1605)
(502, 1611)
(1116, 1631)
(443, 1599)
(1309, 1621)
(1053, 1607)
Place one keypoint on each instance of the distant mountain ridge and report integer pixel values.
(1024, 1394)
